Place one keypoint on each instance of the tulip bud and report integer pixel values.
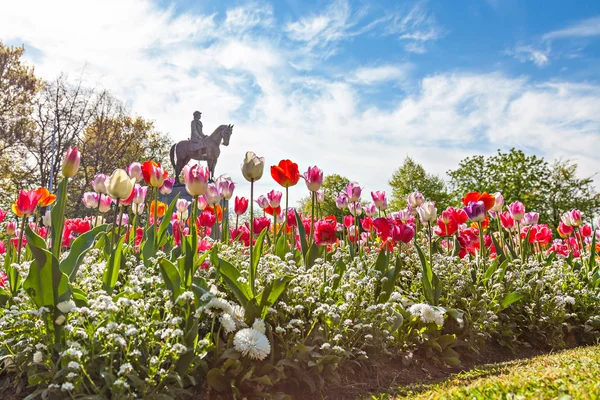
(262, 202)
(226, 187)
(498, 202)
(71, 162)
(314, 178)
(274, 198)
(167, 186)
(353, 192)
(47, 219)
(104, 203)
(253, 167)
(99, 183)
(427, 211)
(120, 185)
(320, 196)
(212, 194)
(11, 228)
(138, 208)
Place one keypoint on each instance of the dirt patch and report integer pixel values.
(11, 389)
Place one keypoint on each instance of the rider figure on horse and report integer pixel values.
(197, 135)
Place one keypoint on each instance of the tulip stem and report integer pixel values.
(114, 224)
(481, 241)
(430, 244)
(155, 216)
(23, 220)
(312, 219)
(251, 234)
(285, 224)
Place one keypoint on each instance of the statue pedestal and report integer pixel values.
(183, 194)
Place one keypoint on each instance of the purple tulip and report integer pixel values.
(475, 211)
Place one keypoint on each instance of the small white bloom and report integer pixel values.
(74, 365)
(66, 306)
(252, 343)
(60, 319)
(227, 323)
(67, 386)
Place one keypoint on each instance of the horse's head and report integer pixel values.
(226, 134)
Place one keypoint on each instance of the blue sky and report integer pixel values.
(351, 86)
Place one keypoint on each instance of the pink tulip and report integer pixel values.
(71, 162)
(353, 192)
(355, 209)
(212, 194)
(167, 186)
(2, 215)
(414, 200)
(370, 210)
(530, 218)
(90, 199)
(517, 210)
(378, 198)
(226, 187)
(262, 202)
(576, 217)
(196, 179)
(11, 228)
(274, 198)
(320, 197)
(182, 205)
(27, 201)
(140, 193)
(314, 178)
(135, 171)
(105, 203)
(341, 201)
(99, 183)
(202, 202)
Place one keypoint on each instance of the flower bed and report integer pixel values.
(129, 310)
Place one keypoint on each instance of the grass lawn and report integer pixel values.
(569, 374)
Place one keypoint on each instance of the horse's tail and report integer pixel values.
(173, 156)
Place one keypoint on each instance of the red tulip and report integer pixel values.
(384, 228)
(348, 221)
(488, 199)
(586, 230)
(154, 174)
(260, 224)
(403, 233)
(206, 219)
(240, 205)
(2, 215)
(285, 173)
(27, 202)
(325, 232)
(273, 211)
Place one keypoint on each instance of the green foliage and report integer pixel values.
(411, 177)
(547, 189)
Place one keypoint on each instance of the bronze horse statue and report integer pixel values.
(186, 150)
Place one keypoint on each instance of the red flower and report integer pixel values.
(204, 245)
(348, 221)
(154, 174)
(260, 224)
(403, 233)
(367, 223)
(2, 215)
(240, 205)
(543, 234)
(206, 219)
(217, 209)
(506, 220)
(241, 234)
(291, 218)
(449, 221)
(384, 228)
(586, 230)
(487, 199)
(271, 211)
(3, 277)
(325, 232)
(27, 202)
(564, 230)
(285, 173)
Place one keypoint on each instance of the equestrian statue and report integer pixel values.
(200, 147)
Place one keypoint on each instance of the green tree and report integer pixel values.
(567, 191)
(18, 87)
(411, 177)
(547, 189)
(332, 186)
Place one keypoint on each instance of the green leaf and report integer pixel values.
(57, 216)
(382, 262)
(592, 260)
(166, 221)
(281, 248)
(510, 299)
(312, 254)
(230, 276)
(217, 380)
(70, 264)
(491, 270)
(389, 285)
(272, 292)
(79, 297)
(340, 270)
(503, 267)
(499, 249)
(446, 340)
(111, 273)
(256, 255)
(171, 277)
(45, 283)
(426, 277)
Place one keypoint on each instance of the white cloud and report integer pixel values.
(525, 53)
(380, 74)
(165, 65)
(583, 28)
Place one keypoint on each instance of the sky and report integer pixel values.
(351, 86)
